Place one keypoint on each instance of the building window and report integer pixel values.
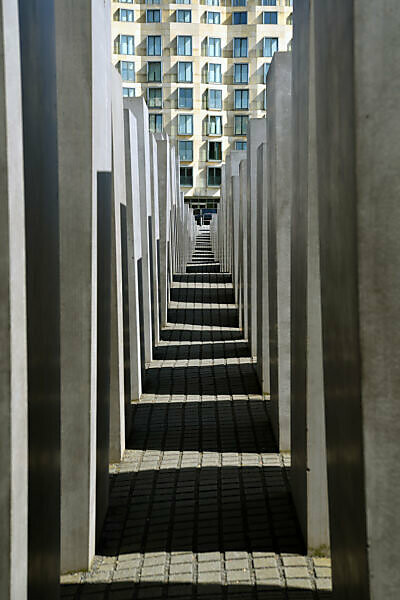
(240, 145)
(186, 176)
(185, 124)
(155, 122)
(185, 98)
(185, 150)
(154, 45)
(126, 1)
(266, 69)
(183, 1)
(127, 70)
(289, 20)
(239, 18)
(214, 150)
(183, 16)
(185, 72)
(154, 72)
(125, 15)
(128, 92)
(241, 73)
(270, 46)
(152, 1)
(270, 18)
(184, 45)
(214, 99)
(214, 125)
(289, 2)
(241, 99)
(153, 15)
(214, 73)
(214, 176)
(124, 44)
(241, 125)
(240, 47)
(268, 2)
(212, 2)
(213, 18)
(239, 2)
(214, 46)
(154, 97)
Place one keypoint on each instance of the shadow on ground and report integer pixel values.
(126, 590)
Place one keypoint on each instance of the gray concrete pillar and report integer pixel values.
(155, 240)
(119, 397)
(279, 206)
(140, 112)
(84, 145)
(134, 256)
(163, 153)
(308, 444)
(243, 233)
(256, 134)
(39, 101)
(262, 270)
(357, 53)
(13, 349)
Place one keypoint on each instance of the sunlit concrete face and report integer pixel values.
(210, 124)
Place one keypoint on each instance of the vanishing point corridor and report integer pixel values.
(200, 506)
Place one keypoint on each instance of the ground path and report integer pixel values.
(200, 505)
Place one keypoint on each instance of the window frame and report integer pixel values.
(187, 118)
(214, 81)
(186, 168)
(185, 91)
(239, 14)
(156, 115)
(183, 10)
(216, 93)
(271, 40)
(239, 67)
(243, 119)
(127, 62)
(219, 45)
(218, 119)
(208, 176)
(241, 93)
(184, 37)
(153, 10)
(186, 144)
(185, 62)
(159, 93)
(154, 62)
(241, 41)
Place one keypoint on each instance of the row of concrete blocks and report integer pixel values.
(309, 225)
(92, 227)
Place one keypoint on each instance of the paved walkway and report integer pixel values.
(200, 506)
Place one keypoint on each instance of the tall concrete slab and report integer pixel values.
(140, 112)
(13, 349)
(134, 256)
(279, 206)
(164, 174)
(119, 397)
(262, 270)
(39, 101)
(308, 443)
(256, 135)
(233, 161)
(243, 234)
(155, 241)
(357, 53)
(84, 134)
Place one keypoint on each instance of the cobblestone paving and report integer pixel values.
(200, 506)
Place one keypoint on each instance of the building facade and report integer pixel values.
(202, 67)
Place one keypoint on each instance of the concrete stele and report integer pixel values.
(84, 135)
(308, 443)
(357, 54)
(13, 348)
(279, 206)
(141, 114)
(256, 134)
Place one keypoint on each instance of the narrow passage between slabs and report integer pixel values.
(200, 505)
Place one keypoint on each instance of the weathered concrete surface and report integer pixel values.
(164, 174)
(39, 101)
(262, 270)
(308, 443)
(243, 234)
(119, 401)
(358, 128)
(233, 161)
(134, 255)
(84, 134)
(256, 134)
(140, 112)
(279, 206)
(13, 363)
(155, 241)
